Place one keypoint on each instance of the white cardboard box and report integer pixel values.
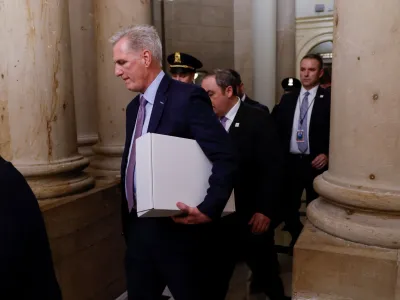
(170, 170)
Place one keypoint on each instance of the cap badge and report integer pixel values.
(177, 58)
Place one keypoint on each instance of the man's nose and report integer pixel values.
(118, 71)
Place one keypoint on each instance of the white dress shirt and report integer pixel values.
(311, 99)
(150, 96)
(231, 115)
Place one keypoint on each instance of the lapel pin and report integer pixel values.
(321, 96)
(236, 124)
(161, 102)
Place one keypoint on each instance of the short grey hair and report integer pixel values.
(224, 78)
(140, 37)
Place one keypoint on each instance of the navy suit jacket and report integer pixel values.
(184, 110)
(257, 104)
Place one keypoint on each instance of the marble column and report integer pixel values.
(285, 43)
(84, 73)
(112, 95)
(243, 42)
(38, 103)
(350, 249)
(264, 51)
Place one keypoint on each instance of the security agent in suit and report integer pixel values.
(242, 95)
(177, 251)
(26, 267)
(249, 233)
(303, 120)
(183, 66)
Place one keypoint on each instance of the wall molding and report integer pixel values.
(311, 31)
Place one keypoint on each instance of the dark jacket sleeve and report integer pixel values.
(216, 145)
(25, 256)
(280, 122)
(270, 167)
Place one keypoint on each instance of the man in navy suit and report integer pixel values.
(176, 252)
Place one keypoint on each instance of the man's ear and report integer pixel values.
(229, 91)
(321, 73)
(146, 55)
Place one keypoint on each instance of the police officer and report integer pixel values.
(290, 84)
(183, 66)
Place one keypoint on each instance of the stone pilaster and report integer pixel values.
(84, 73)
(285, 43)
(264, 51)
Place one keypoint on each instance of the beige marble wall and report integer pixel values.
(243, 48)
(88, 249)
(202, 28)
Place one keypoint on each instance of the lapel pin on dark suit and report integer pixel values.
(237, 125)
(321, 96)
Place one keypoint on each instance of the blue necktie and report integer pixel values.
(303, 145)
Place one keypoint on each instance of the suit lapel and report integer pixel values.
(233, 130)
(132, 119)
(318, 101)
(292, 108)
(159, 103)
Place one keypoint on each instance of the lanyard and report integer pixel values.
(301, 119)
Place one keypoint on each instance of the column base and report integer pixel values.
(85, 145)
(327, 267)
(55, 187)
(58, 178)
(107, 162)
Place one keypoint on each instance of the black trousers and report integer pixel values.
(299, 175)
(161, 252)
(257, 250)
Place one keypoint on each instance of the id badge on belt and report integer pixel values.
(300, 136)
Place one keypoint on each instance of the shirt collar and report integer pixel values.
(313, 92)
(232, 112)
(243, 97)
(150, 93)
